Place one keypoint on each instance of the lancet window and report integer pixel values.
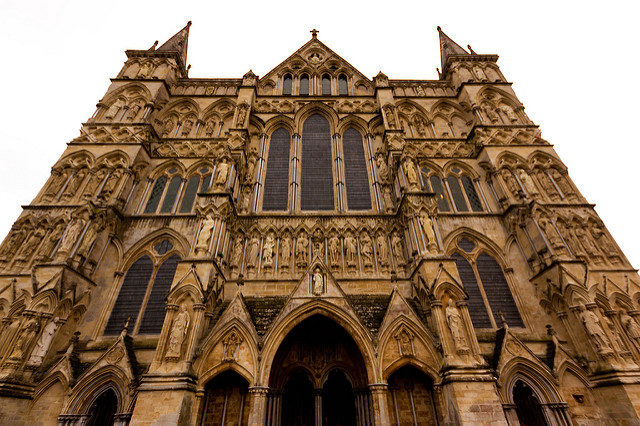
(142, 293)
(305, 84)
(355, 171)
(276, 182)
(317, 171)
(457, 192)
(171, 193)
(489, 292)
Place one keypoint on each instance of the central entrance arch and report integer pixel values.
(318, 377)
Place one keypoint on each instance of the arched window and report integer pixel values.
(317, 171)
(355, 171)
(276, 181)
(199, 182)
(287, 84)
(488, 290)
(463, 191)
(343, 89)
(141, 296)
(432, 182)
(326, 85)
(103, 410)
(528, 408)
(304, 84)
(164, 194)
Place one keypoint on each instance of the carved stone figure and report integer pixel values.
(52, 241)
(552, 235)
(405, 342)
(350, 250)
(508, 111)
(479, 74)
(89, 238)
(302, 250)
(548, 186)
(114, 108)
(430, 235)
(178, 333)
(617, 341)
(187, 127)
(57, 182)
(168, 126)
(388, 199)
(236, 254)
(43, 343)
(222, 172)
(252, 252)
(562, 183)
(490, 113)
(145, 69)
(528, 183)
(510, 181)
(317, 282)
(94, 183)
(594, 330)
(284, 253)
(29, 246)
(26, 334)
(383, 170)
(12, 241)
(231, 345)
(383, 250)
(74, 184)
(391, 117)
(268, 251)
(111, 184)
(210, 128)
(242, 116)
(334, 251)
(456, 325)
(412, 174)
(631, 327)
(71, 235)
(133, 111)
(366, 251)
(603, 241)
(585, 241)
(420, 124)
(396, 246)
(204, 237)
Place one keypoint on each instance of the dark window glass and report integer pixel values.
(163, 247)
(355, 171)
(342, 85)
(206, 181)
(190, 194)
(276, 181)
(134, 287)
(466, 245)
(304, 84)
(326, 85)
(423, 177)
(438, 188)
(172, 193)
(456, 192)
(477, 309)
(472, 195)
(156, 194)
(497, 290)
(286, 84)
(153, 316)
(317, 173)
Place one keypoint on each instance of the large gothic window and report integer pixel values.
(317, 172)
(304, 84)
(432, 182)
(141, 296)
(355, 170)
(199, 182)
(170, 193)
(276, 182)
(485, 283)
(462, 193)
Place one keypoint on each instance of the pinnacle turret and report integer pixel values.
(448, 48)
(178, 43)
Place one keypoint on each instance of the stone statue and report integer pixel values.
(383, 250)
(43, 343)
(594, 330)
(528, 183)
(479, 74)
(89, 237)
(52, 240)
(27, 332)
(284, 253)
(412, 174)
(429, 233)
(617, 343)
(222, 172)
(114, 108)
(383, 170)
(29, 246)
(231, 345)
(11, 242)
(204, 237)
(366, 250)
(334, 251)
(168, 126)
(511, 182)
(177, 335)
(490, 113)
(631, 327)
(420, 124)
(552, 235)
(508, 111)
(268, 251)
(187, 127)
(111, 184)
(454, 321)
(302, 250)
(396, 246)
(252, 252)
(317, 282)
(210, 128)
(133, 111)
(74, 184)
(94, 183)
(562, 183)
(604, 242)
(405, 343)
(242, 115)
(585, 241)
(350, 250)
(57, 182)
(388, 199)
(547, 185)
(391, 118)
(72, 234)
(236, 255)
(145, 70)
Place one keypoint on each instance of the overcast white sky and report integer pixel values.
(574, 66)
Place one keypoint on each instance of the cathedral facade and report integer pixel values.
(314, 247)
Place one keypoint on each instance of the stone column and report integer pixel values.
(317, 403)
(257, 405)
(379, 393)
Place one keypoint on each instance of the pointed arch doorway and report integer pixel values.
(318, 377)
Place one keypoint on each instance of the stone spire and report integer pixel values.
(178, 43)
(448, 48)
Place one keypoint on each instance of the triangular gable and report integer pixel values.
(236, 312)
(398, 306)
(304, 53)
(508, 347)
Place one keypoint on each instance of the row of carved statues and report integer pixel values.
(72, 184)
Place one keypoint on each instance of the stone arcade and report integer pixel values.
(314, 247)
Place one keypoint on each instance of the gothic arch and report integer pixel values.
(446, 169)
(112, 96)
(283, 326)
(163, 167)
(491, 248)
(116, 156)
(541, 381)
(316, 108)
(355, 122)
(77, 159)
(144, 245)
(193, 169)
(279, 121)
(89, 387)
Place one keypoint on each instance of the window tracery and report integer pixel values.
(171, 193)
